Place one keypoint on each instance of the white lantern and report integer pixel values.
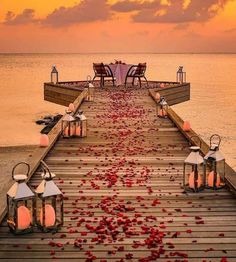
(68, 125)
(194, 170)
(49, 203)
(181, 75)
(54, 75)
(90, 86)
(162, 108)
(81, 124)
(20, 203)
(215, 161)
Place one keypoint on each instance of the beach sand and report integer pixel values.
(10, 156)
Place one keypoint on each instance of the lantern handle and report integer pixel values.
(217, 136)
(46, 169)
(200, 141)
(20, 163)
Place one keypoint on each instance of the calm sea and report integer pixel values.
(212, 108)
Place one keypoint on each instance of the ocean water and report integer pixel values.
(212, 108)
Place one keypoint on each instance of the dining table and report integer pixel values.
(120, 71)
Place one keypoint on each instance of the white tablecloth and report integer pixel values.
(120, 71)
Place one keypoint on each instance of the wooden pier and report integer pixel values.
(122, 184)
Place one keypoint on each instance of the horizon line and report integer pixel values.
(82, 53)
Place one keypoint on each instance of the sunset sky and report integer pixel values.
(118, 26)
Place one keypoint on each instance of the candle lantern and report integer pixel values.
(49, 202)
(181, 75)
(68, 125)
(81, 130)
(90, 86)
(20, 203)
(54, 75)
(162, 108)
(215, 161)
(194, 170)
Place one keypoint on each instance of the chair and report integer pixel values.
(137, 71)
(103, 71)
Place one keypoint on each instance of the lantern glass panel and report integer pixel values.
(49, 214)
(20, 215)
(194, 177)
(215, 175)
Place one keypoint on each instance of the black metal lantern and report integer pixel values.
(194, 170)
(181, 75)
(54, 75)
(68, 125)
(90, 86)
(20, 203)
(81, 124)
(215, 161)
(162, 108)
(49, 203)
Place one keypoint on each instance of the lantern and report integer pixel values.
(54, 75)
(215, 161)
(49, 202)
(71, 107)
(186, 126)
(20, 203)
(162, 108)
(68, 125)
(194, 170)
(81, 130)
(44, 140)
(181, 75)
(90, 86)
(158, 97)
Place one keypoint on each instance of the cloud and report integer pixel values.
(26, 17)
(129, 6)
(84, 12)
(175, 12)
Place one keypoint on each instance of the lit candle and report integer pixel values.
(44, 140)
(23, 217)
(192, 181)
(50, 216)
(78, 131)
(162, 113)
(186, 126)
(211, 177)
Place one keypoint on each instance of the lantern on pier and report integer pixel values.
(181, 75)
(20, 203)
(194, 170)
(215, 161)
(81, 119)
(162, 108)
(54, 75)
(49, 202)
(68, 125)
(90, 86)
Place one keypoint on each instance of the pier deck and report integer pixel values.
(124, 199)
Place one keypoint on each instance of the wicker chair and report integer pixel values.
(103, 71)
(137, 71)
